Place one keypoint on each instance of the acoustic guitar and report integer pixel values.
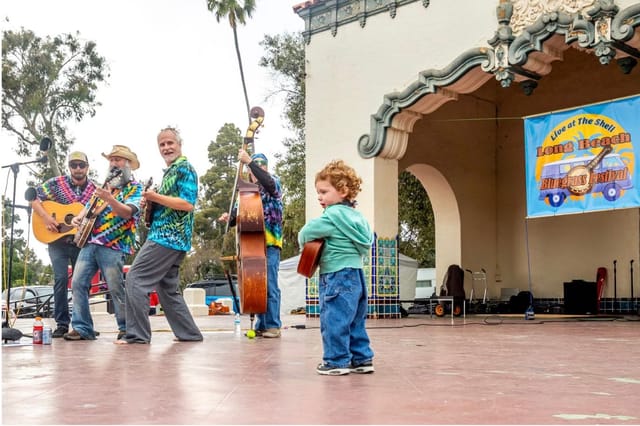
(62, 214)
(89, 219)
(310, 258)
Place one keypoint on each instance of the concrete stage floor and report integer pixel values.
(478, 370)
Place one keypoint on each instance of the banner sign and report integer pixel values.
(583, 159)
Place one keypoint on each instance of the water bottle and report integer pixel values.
(38, 327)
(237, 330)
(47, 335)
(529, 314)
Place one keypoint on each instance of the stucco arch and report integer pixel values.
(460, 122)
(448, 237)
(515, 63)
(524, 55)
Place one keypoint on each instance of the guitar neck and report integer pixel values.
(593, 163)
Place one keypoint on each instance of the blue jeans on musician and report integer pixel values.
(271, 318)
(62, 254)
(110, 262)
(343, 311)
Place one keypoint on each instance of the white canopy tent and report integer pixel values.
(292, 285)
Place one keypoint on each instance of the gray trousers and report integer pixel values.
(157, 268)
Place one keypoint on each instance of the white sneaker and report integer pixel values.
(327, 370)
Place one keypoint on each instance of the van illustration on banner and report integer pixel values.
(608, 175)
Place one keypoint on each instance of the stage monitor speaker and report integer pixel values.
(580, 298)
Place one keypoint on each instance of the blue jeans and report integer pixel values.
(62, 254)
(343, 311)
(110, 262)
(271, 318)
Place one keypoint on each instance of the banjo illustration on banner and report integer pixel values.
(579, 178)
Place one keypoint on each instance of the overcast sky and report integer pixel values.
(171, 63)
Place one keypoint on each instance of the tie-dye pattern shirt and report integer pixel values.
(172, 228)
(113, 231)
(272, 206)
(61, 189)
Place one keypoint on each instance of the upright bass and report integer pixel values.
(250, 233)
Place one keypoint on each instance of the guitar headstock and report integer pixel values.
(113, 173)
(148, 184)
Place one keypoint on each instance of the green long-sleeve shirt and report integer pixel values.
(347, 237)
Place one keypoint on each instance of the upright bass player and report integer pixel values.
(268, 324)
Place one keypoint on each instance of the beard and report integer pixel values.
(122, 179)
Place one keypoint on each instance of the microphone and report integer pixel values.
(30, 194)
(45, 144)
(39, 160)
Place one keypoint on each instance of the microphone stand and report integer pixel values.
(15, 168)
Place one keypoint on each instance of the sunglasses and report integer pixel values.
(77, 165)
(260, 162)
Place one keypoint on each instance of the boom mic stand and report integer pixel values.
(45, 144)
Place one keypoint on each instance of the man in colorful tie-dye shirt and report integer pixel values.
(157, 265)
(117, 209)
(66, 190)
(268, 324)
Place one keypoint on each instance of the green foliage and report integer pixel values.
(26, 268)
(217, 183)
(284, 56)
(47, 82)
(416, 222)
(210, 242)
(236, 12)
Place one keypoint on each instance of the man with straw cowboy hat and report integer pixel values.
(115, 208)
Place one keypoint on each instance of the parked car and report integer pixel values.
(217, 287)
(30, 301)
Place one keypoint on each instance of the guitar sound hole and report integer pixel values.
(68, 218)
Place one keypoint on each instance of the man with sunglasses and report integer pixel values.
(66, 189)
(268, 324)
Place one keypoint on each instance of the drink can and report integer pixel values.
(47, 336)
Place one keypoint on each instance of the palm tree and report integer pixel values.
(237, 12)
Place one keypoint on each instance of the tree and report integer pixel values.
(236, 12)
(285, 58)
(46, 83)
(210, 242)
(415, 221)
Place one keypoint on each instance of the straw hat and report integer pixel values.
(124, 152)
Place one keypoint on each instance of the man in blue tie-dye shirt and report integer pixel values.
(157, 265)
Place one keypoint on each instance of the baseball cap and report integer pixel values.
(78, 156)
(260, 159)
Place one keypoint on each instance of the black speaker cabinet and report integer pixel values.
(580, 298)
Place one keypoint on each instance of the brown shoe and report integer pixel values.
(74, 335)
(271, 333)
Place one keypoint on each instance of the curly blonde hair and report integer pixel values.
(341, 176)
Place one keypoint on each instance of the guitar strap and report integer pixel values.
(102, 205)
